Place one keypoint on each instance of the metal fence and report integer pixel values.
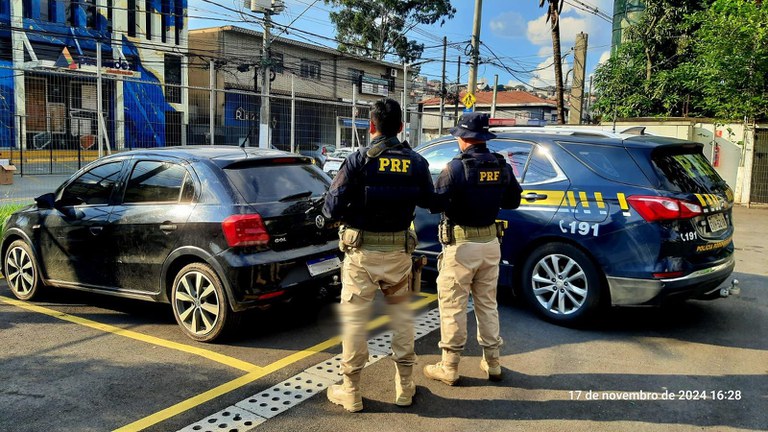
(62, 126)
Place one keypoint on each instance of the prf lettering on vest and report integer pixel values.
(489, 176)
(394, 165)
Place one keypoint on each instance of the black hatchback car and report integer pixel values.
(212, 230)
(612, 219)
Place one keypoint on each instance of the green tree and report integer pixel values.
(643, 78)
(619, 83)
(731, 59)
(376, 28)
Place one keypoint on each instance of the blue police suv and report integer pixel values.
(605, 219)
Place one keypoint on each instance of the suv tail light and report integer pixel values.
(655, 208)
(245, 230)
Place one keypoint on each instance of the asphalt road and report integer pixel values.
(79, 362)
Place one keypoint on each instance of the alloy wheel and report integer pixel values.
(559, 284)
(197, 303)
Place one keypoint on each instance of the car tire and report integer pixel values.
(200, 303)
(22, 271)
(562, 284)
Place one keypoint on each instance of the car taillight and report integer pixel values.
(654, 208)
(245, 230)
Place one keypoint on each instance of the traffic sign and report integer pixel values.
(469, 110)
(468, 100)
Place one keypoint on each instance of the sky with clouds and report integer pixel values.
(513, 32)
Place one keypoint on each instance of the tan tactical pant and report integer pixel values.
(468, 267)
(364, 273)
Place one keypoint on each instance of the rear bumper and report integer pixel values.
(279, 276)
(628, 291)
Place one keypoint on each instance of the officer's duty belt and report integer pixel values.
(463, 234)
(384, 238)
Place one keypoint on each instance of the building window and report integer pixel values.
(45, 11)
(310, 69)
(148, 20)
(132, 18)
(179, 20)
(90, 13)
(277, 62)
(172, 78)
(164, 10)
(110, 7)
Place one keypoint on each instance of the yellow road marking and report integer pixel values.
(210, 355)
(215, 392)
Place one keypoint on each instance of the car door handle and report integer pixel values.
(166, 228)
(534, 196)
(96, 230)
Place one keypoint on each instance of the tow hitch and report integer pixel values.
(731, 290)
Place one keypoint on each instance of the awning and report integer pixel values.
(361, 124)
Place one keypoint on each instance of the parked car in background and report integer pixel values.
(317, 151)
(213, 230)
(605, 219)
(334, 160)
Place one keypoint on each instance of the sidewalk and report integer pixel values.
(26, 188)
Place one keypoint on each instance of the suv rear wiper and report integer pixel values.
(300, 195)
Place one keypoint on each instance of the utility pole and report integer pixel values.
(577, 90)
(458, 93)
(404, 107)
(264, 115)
(266, 7)
(442, 88)
(472, 87)
(495, 92)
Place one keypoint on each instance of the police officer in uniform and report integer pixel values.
(374, 195)
(469, 192)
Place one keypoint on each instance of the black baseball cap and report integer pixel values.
(473, 125)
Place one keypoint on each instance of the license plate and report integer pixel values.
(323, 265)
(717, 222)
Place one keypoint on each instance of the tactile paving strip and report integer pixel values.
(256, 409)
(285, 395)
(331, 368)
(230, 419)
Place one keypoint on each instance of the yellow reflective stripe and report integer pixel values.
(701, 199)
(622, 201)
(583, 198)
(711, 200)
(571, 199)
(599, 199)
(554, 198)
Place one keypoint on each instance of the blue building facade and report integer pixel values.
(57, 56)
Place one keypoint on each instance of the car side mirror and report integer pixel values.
(45, 201)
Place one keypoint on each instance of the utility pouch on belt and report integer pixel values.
(411, 240)
(418, 263)
(501, 225)
(445, 232)
(350, 238)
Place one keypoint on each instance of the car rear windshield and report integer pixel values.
(610, 162)
(685, 170)
(268, 183)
